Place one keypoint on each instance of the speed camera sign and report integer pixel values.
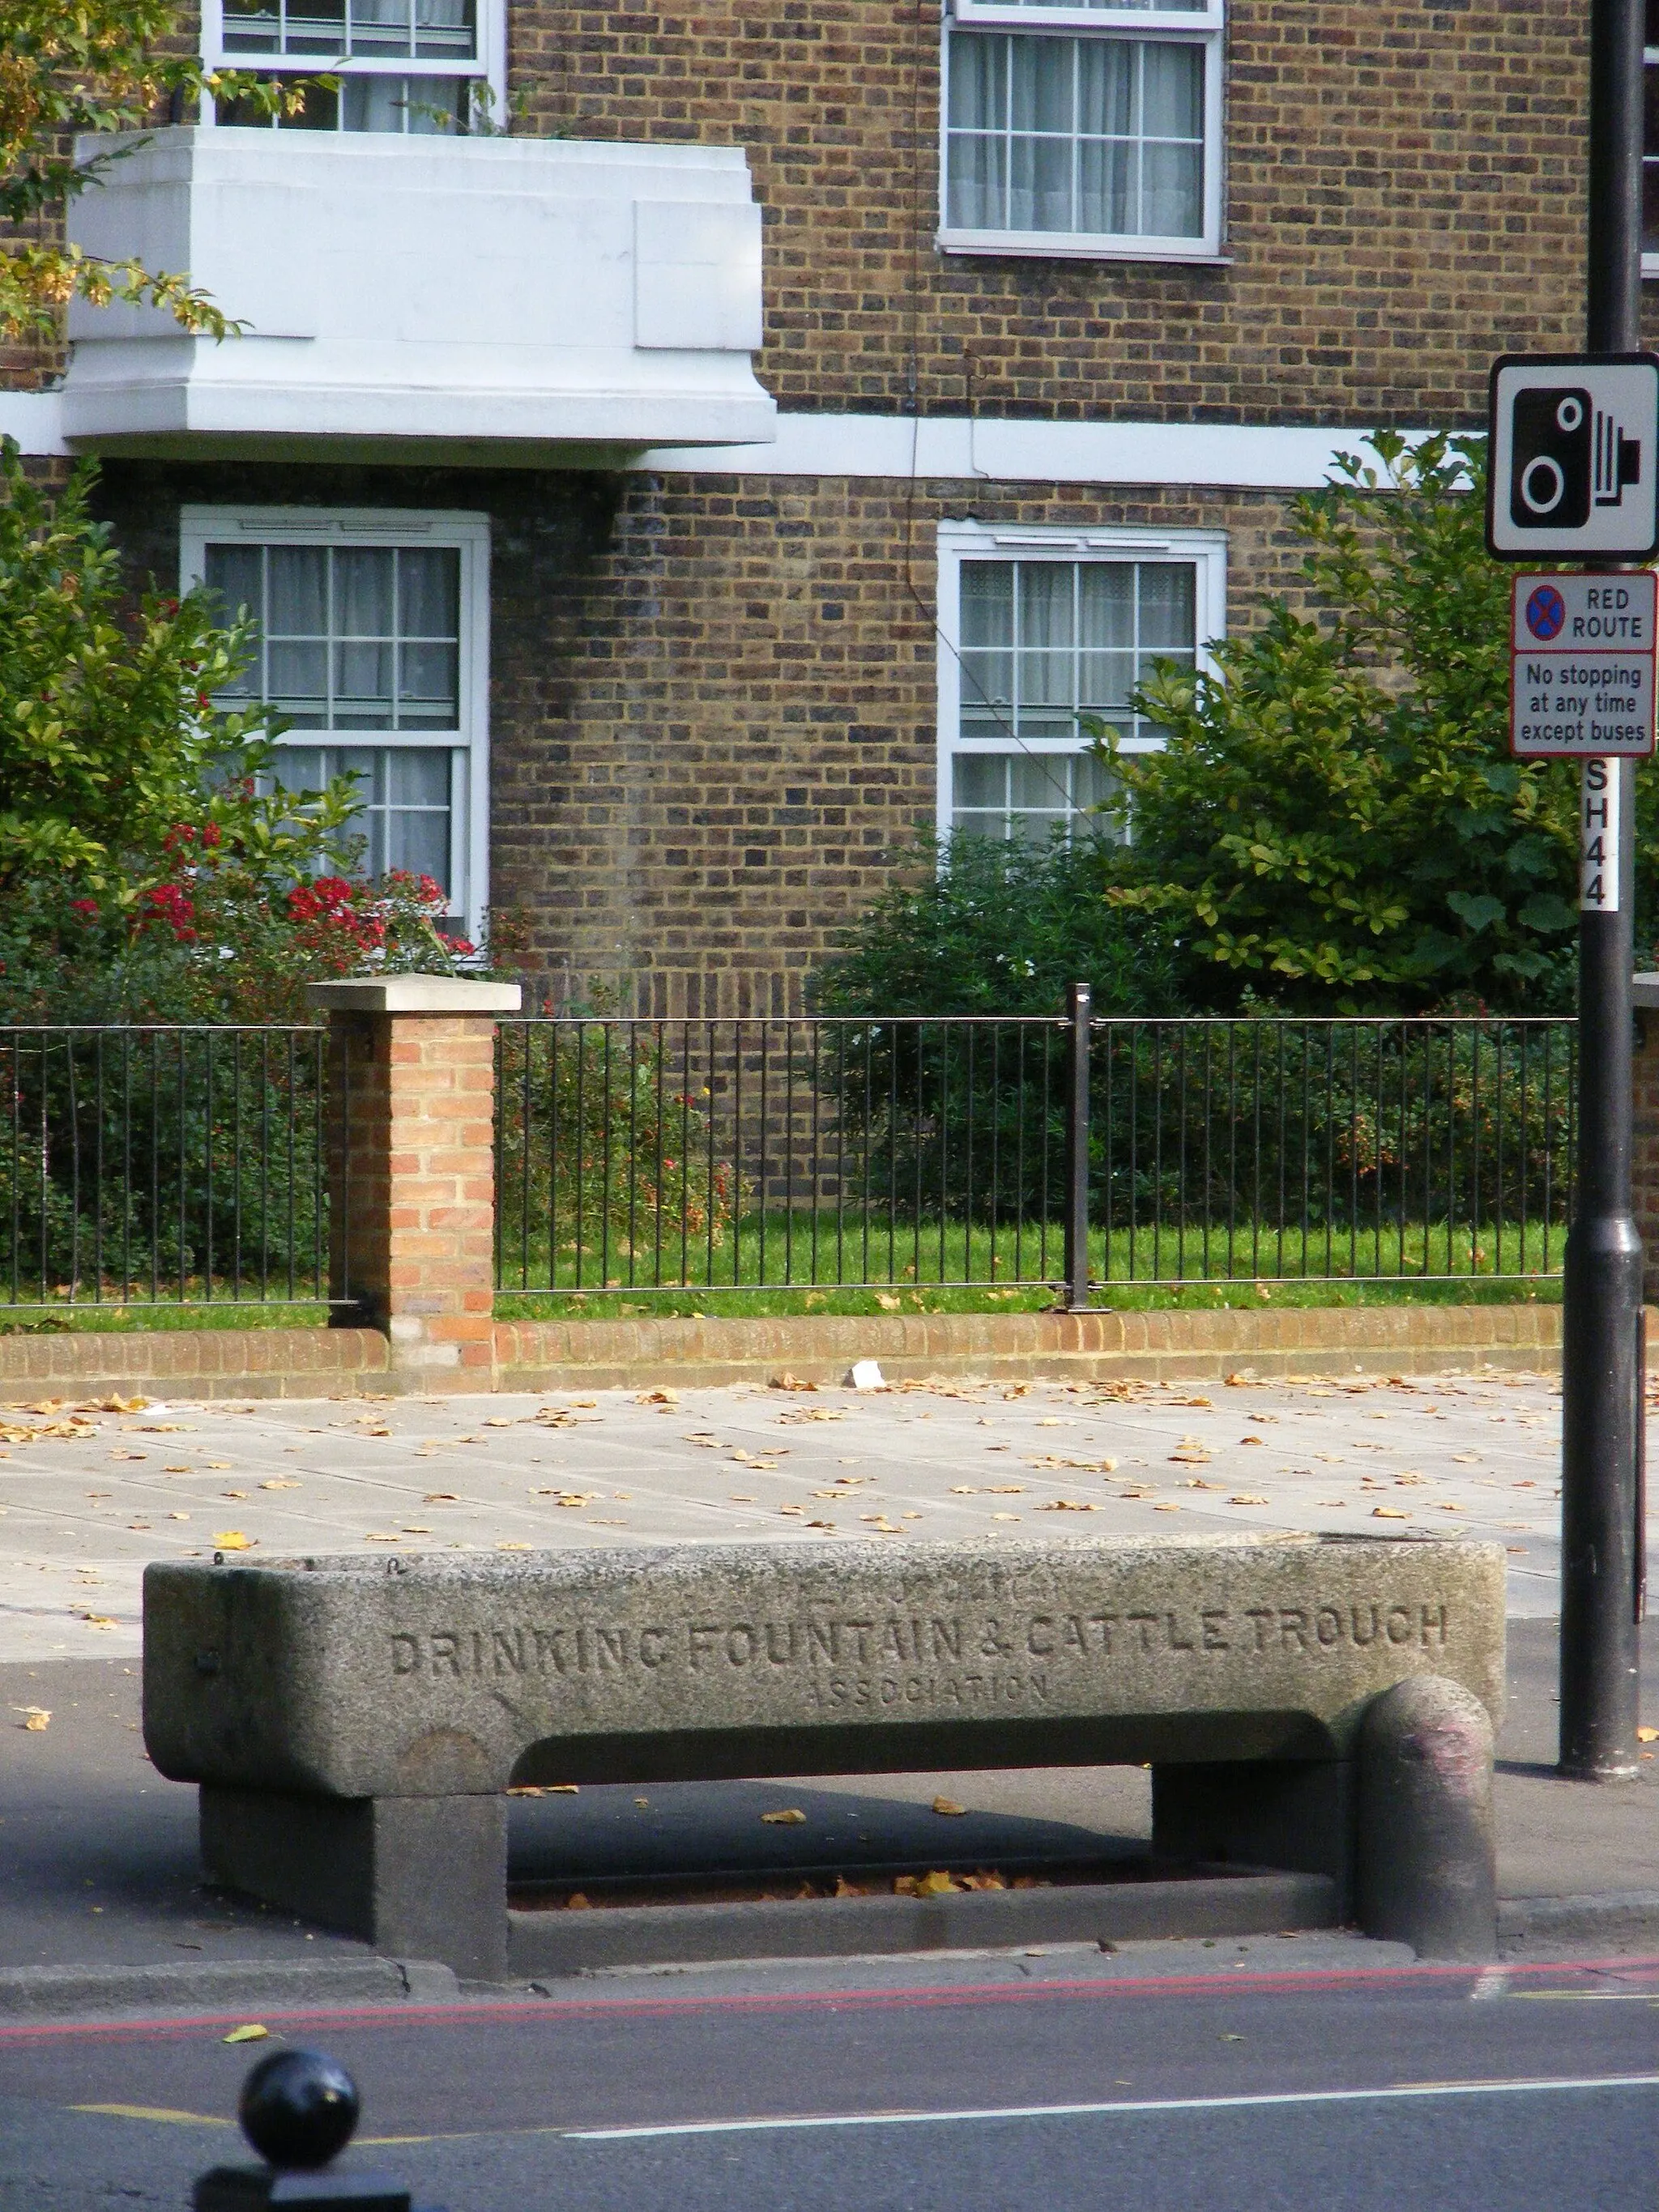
(1575, 457)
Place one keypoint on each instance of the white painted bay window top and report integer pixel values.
(373, 647)
(1082, 130)
(1044, 634)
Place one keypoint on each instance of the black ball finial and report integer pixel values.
(298, 2107)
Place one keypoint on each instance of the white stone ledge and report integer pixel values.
(414, 995)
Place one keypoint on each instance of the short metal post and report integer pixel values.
(1080, 1016)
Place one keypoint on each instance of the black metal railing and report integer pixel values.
(651, 1155)
(149, 1166)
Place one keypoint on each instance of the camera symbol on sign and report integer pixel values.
(1568, 454)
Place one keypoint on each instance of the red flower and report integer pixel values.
(85, 908)
(210, 834)
(172, 903)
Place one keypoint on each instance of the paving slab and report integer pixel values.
(90, 1493)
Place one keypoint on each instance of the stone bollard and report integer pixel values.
(412, 1167)
(1427, 1873)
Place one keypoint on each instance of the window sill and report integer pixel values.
(1046, 245)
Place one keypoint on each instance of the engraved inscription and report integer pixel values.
(863, 1662)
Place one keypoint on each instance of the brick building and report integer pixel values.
(675, 456)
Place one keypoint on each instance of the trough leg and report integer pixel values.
(1294, 1814)
(418, 1877)
(1428, 1871)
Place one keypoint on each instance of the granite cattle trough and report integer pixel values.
(354, 1722)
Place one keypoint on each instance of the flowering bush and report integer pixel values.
(151, 869)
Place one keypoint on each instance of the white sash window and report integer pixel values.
(1082, 129)
(373, 647)
(1044, 635)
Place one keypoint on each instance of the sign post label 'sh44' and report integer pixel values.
(1574, 457)
(1582, 666)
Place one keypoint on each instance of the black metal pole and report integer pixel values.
(1079, 1014)
(1601, 1387)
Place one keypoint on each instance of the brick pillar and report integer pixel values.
(411, 1166)
(1644, 1148)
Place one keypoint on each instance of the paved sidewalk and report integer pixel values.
(89, 1496)
(98, 1862)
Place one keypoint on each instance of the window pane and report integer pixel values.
(1103, 136)
(1105, 87)
(444, 29)
(1041, 86)
(979, 83)
(1040, 184)
(1106, 603)
(299, 769)
(235, 574)
(1172, 92)
(297, 683)
(978, 183)
(1172, 188)
(428, 686)
(251, 27)
(362, 591)
(299, 591)
(429, 593)
(381, 27)
(1167, 596)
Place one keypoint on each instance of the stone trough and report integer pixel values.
(1323, 1706)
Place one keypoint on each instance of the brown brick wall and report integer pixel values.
(1404, 199)
(712, 717)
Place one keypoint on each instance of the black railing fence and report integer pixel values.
(650, 1155)
(147, 1166)
(142, 1166)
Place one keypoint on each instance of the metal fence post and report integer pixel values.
(1079, 1012)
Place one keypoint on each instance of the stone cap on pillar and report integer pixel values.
(414, 995)
(1644, 993)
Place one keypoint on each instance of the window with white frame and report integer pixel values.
(1044, 636)
(397, 65)
(1084, 127)
(373, 647)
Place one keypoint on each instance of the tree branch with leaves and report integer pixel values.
(79, 69)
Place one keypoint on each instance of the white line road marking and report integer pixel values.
(1398, 2091)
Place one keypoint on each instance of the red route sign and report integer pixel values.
(1581, 666)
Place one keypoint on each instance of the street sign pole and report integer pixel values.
(1601, 1379)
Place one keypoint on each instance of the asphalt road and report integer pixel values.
(1475, 2089)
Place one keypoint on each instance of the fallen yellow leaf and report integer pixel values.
(36, 1719)
(252, 2033)
(790, 1817)
(1246, 1498)
(948, 1805)
(1389, 1513)
(280, 1482)
(231, 1540)
(1647, 1735)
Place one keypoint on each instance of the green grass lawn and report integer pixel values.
(780, 1269)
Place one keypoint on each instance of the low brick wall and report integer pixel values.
(196, 1363)
(314, 1363)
